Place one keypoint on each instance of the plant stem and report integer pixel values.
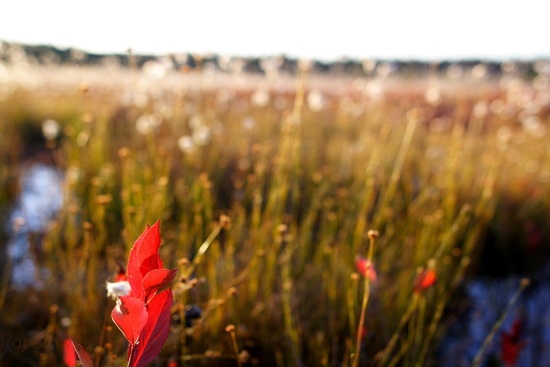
(479, 356)
(366, 294)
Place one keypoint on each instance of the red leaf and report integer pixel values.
(425, 280)
(157, 280)
(511, 344)
(366, 268)
(144, 257)
(148, 250)
(173, 362)
(84, 357)
(155, 332)
(69, 354)
(130, 316)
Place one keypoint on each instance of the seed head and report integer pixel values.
(373, 234)
(225, 221)
(230, 328)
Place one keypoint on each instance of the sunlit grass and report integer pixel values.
(268, 199)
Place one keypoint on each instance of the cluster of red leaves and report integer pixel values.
(143, 316)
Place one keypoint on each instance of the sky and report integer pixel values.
(323, 30)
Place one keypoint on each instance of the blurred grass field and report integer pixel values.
(452, 171)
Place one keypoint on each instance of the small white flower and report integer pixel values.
(118, 289)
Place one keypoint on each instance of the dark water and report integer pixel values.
(41, 199)
(487, 301)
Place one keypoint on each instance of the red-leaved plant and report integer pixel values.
(512, 344)
(143, 316)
